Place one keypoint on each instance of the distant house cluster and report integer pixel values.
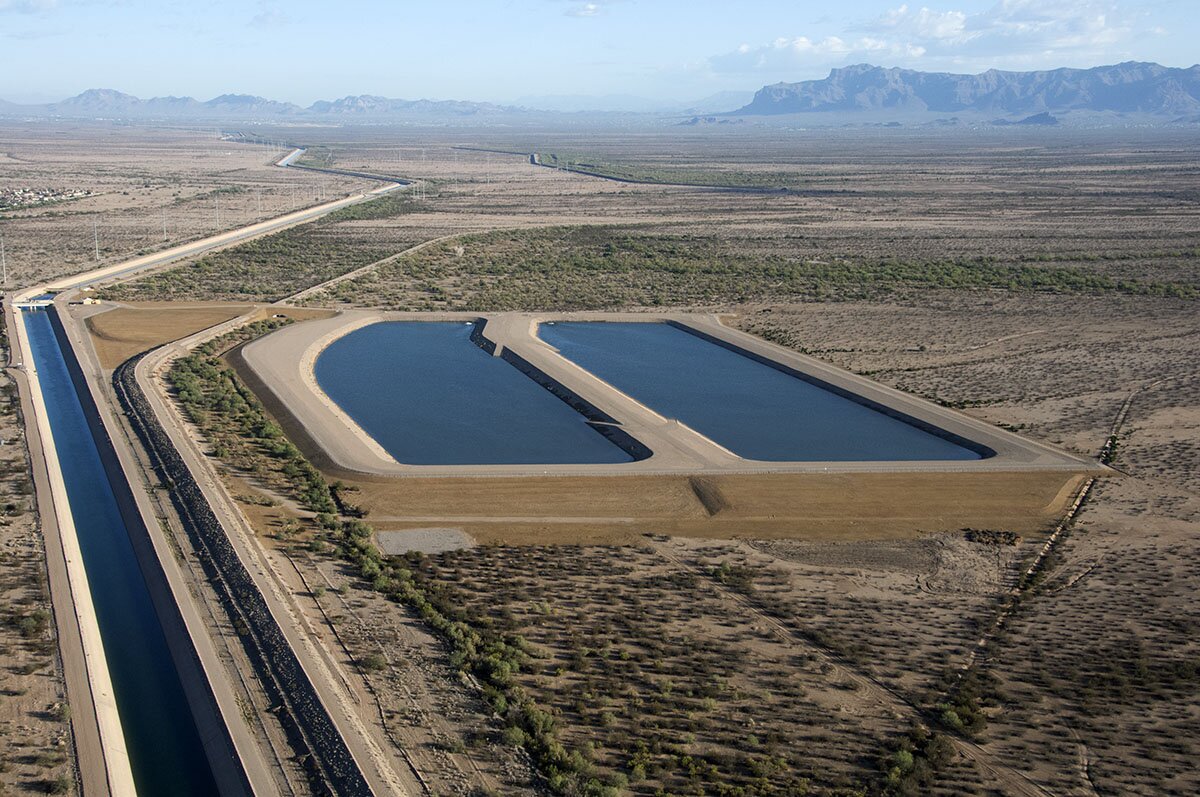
(23, 197)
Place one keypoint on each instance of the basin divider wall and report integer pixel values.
(596, 418)
(478, 338)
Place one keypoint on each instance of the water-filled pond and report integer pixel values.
(427, 394)
(751, 408)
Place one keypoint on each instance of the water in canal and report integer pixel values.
(427, 394)
(754, 410)
(164, 746)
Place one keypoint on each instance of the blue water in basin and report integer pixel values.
(427, 394)
(754, 410)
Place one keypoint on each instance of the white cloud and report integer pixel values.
(1011, 28)
(28, 6)
(784, 54)
(583, 10)
(925, 23)
(269, 16)
(1018, 33)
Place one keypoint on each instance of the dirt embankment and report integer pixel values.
(619, 509)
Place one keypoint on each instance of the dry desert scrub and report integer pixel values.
(600, 267)
(148, 189)
(278, 265)
(1096, 674)
(34, 716)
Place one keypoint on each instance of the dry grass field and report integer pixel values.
(709, 667)
(119, 334)
(122, 332)
(873, 215)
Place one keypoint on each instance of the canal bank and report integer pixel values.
(173, 738)
(349, 751)
(101, 756)
(212, 686)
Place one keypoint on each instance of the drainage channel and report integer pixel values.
(166, 751)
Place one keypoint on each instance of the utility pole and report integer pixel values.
(218, 211)
(96, 239)
(164, 221)
(3, 261)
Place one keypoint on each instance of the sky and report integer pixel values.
(503, 50)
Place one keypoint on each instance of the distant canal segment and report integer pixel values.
(430, 396)
(164, 746)
(755, 410)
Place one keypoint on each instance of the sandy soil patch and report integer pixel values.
(431, 540)
(128, 330)
(123, 332)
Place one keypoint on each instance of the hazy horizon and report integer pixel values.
(665, 51)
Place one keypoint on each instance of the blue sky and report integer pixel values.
(501, 50)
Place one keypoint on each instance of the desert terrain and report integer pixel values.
(34, 712)
(1043, 282)
(144, 190)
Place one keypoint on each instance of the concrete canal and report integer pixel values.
(166, 752)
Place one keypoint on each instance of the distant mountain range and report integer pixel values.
(628, 103)
(1139, 88)
(366, 105)
(870, 93)
(107, 103)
